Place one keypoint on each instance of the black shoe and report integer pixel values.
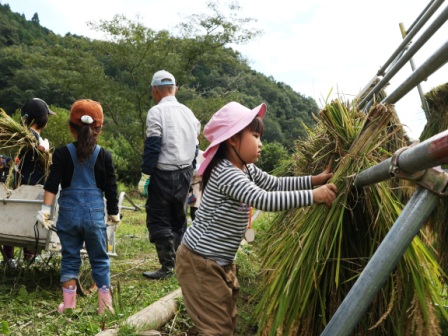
(159, 274)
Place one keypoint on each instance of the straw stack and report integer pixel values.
(437, 229)
(312, 256)
(16, 139)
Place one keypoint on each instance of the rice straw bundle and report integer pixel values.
(437, 122)
(16, 139)
(437, 228)
(312, 256)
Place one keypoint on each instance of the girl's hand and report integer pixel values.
(325, 194)
(323, 177)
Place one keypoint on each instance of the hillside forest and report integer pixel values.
(117, 71)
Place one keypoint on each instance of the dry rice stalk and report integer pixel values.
(436, 229)
(418, 325)
(16, 139)
(389, 309)
(437, 100)
(312, 256)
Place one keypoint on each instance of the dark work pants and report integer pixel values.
(166, 206)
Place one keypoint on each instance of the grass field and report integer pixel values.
(30, 294)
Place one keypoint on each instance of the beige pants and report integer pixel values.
(210, 292)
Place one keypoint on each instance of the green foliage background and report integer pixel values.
(116, 71)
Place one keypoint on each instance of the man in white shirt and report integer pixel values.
(167, 170)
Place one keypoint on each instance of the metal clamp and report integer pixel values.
(434, 179)
(395, 170)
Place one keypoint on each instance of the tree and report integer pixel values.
(117, 72)
(132, 53)
(35, 19)
(272, 156)
(57, 131)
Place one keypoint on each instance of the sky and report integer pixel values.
(313, 46)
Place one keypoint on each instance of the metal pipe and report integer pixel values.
(422, 13)
(438, 22)
(13, 200)
(382, 263)
(432, 64)
(415, 27)
(419, 87)
(430, 153)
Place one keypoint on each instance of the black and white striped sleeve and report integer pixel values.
(266, 192)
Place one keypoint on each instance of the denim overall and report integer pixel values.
(81, 219)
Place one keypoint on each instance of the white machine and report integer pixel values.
(18, 225)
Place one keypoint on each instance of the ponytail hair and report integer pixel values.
(87, 140)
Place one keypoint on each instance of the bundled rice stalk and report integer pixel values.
(312, 256)
(16, 139)
(437, 122)
(437, 228)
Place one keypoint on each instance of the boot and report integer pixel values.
(104, 300)
(167, 258)
(69, 299)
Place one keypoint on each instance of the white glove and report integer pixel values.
(143, 185)
(43, 217)
(113, 220)
(44, 144)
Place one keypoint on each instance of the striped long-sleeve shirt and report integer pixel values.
(223, 215)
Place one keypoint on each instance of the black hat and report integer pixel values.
(35, 108)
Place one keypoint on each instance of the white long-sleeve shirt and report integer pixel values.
(223, 215)
(178, 129)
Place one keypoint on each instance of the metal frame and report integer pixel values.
(401, 57)
(415, 163)
(418, 163)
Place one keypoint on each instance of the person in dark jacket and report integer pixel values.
(30, 171)
(5, 165)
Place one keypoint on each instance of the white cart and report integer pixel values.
(18, 226)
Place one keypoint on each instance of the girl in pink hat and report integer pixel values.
(232, 186)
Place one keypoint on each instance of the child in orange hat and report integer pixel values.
(85, 173)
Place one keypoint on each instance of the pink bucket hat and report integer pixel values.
(228, 121)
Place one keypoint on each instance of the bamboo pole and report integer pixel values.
(426, 14)
(432, 64)
(154, 316)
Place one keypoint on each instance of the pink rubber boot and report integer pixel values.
(104, 300)
(69, 299)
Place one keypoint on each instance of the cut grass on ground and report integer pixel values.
(30, 295)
